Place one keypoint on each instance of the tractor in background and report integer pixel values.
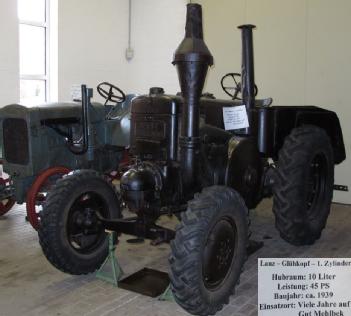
(42, 143)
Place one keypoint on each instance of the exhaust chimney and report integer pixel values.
(247, 71)
(192, 59)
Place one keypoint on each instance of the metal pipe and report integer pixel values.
(248, 71)
(129, 50)
(83, 148)
(130, 25)
(192, 59)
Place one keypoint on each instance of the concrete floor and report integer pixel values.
(29, 285)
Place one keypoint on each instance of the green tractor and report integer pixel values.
(42, 143)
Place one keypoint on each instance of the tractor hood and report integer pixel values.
(52, 111)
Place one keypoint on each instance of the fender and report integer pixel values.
(276, 122)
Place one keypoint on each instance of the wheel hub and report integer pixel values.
(84, 230)
(316, 180)
(219, 253)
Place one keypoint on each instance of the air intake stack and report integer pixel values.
(192, 59)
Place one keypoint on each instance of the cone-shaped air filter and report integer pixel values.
(193, 48)
(192, 59)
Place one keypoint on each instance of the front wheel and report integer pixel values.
(209, 250)
(70, 234)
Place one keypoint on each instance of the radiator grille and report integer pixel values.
(15, 140)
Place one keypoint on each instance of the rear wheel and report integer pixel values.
(38, 191)
(70, 234)
(209, 250)
(7, 202)
(303, 187)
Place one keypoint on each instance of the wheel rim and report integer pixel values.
(219, 253)
(6, 204)
(37, 192)
(84, 231)
(317, 182)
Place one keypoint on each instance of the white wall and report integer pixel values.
(302, 55)
(157, 29)
(93, 37)
(328, 70)
(9, 58)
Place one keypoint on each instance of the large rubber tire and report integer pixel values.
(54, 225)
(303, 188)
(191, 288)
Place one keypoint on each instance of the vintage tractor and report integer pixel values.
(207, 161)
(42, 143)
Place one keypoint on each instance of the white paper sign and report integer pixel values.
(76, 92)
(304, 286)
(235, 117)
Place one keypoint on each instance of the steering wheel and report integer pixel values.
(110, 92)
(227, 85)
